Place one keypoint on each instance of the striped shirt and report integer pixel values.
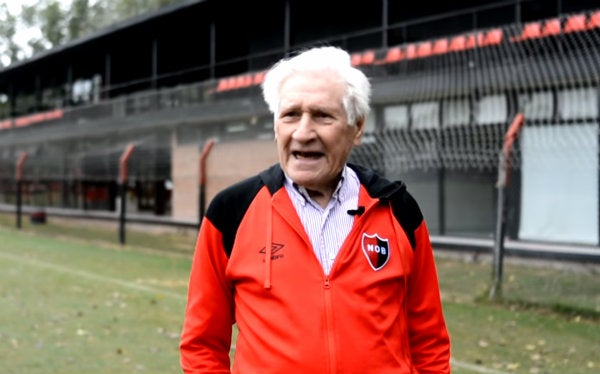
(327, 227)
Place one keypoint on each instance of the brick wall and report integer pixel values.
(227, 163)
(231, 162)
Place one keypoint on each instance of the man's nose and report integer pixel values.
(305, 130)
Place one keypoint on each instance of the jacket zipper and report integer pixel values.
(329, 326)
(329, 304)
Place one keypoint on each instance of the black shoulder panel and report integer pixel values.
(405, 208)
(407, 213)
(228, 207)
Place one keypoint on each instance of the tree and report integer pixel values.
(78, 23)
(58, 26)
(130, 8)
(8, 29)
(48, 16)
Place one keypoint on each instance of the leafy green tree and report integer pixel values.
(49, 18)
(78, 23)
(8, 29)
(58, 26)
(53, 23)
(131, 8)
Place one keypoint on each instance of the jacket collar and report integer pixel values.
(376, 185)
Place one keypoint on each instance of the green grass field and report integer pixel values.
(75, 301)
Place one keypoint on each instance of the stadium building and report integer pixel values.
(181, 88)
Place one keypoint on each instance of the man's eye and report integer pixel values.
(322, 116)
(289, 115)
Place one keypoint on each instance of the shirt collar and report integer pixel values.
(302, 194)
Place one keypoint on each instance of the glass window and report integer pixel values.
(492, 109)
(234, 127)
(469, 202)
(267, 124)
(565, 157)
(265, 128)
(578, 103)
(537, 105)
(396, 117)
(425, 115)
(456, 112)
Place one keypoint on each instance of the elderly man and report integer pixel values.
(324, 266)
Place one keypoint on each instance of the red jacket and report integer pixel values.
(378, 311)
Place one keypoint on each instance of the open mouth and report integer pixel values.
(306, 155)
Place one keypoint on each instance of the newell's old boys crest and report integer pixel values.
(376, 249)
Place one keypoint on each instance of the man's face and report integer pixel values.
(313, 136)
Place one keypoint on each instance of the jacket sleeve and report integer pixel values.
(428, 336)
(206, 336)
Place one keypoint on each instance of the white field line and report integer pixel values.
(139, 287)
(475, 368)
(92, 276)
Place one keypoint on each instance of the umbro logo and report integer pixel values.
(275, 248)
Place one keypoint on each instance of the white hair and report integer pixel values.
(358, 87)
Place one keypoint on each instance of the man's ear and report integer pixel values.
(360, 129)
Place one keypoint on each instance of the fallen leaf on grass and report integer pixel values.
(513, 366)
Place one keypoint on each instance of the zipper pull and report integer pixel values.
(326, 284)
